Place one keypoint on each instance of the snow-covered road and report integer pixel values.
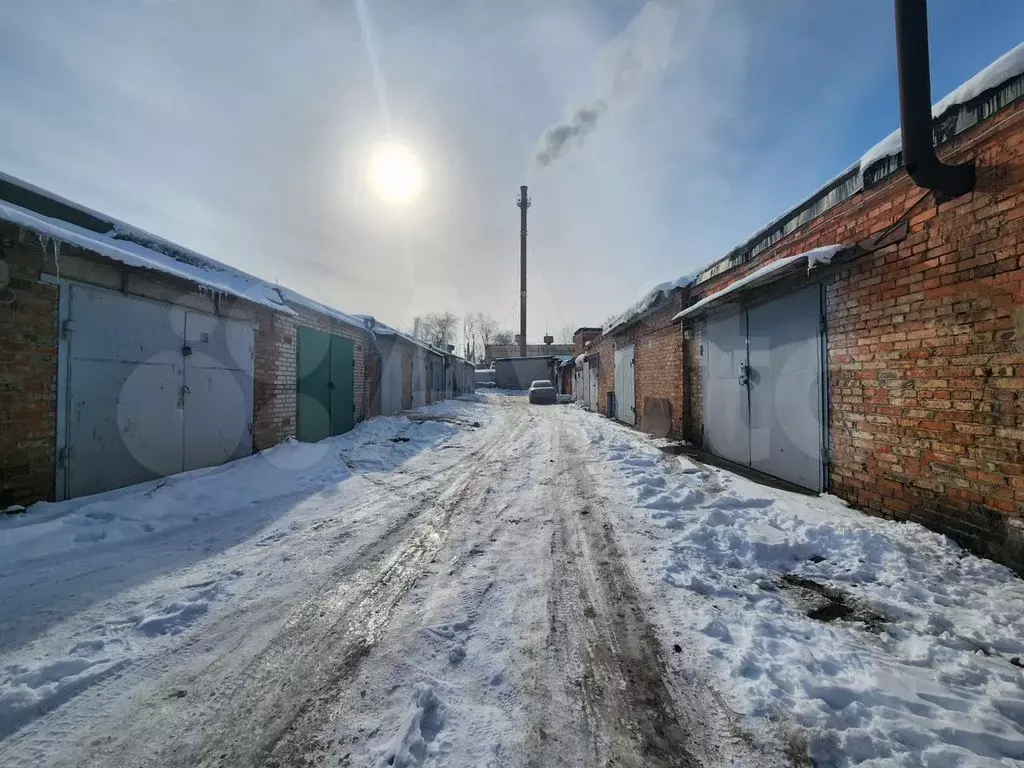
(489, 583)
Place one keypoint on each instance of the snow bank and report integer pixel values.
(1009, 65)
(650, 299)
(883, 642)
(101, 545)
(147, 509)
(820, 255)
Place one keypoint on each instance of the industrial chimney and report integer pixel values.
(524, 203)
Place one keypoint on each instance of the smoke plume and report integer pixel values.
(581, 122)
(628, 67)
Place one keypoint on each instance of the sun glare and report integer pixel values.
(395, 173)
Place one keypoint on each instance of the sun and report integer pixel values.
(395, 173)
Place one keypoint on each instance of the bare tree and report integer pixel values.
(438, 328)
(486, 327)
(503, 337)
(470, 329)
(565, 335)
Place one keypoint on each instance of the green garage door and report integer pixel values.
(326, 386)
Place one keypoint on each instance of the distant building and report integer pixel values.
(493, 352)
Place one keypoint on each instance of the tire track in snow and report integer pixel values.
(287, 726)
(599, 630)
(146, 721)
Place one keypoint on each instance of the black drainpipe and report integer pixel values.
(916, 106)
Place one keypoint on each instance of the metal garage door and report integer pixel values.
(592, 385)
(391, 383)
(419, 381)
(625, 397)
(149, 389)
(218, 390)
(326, 385)
(726, 404)
(764, 388)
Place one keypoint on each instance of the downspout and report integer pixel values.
(919, 156)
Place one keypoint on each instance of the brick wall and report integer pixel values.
(276, 376)
(693, 387)
(582, 337)
(658, 366)
(28, 374)
(926, 346)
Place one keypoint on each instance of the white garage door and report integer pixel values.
(419, 381)
(150, 389)
(625, 398)
(391, 383)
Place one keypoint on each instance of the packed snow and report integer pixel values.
(91, 586)
(452, 587)
(883, 642)
(1007, 66)
(822, 255)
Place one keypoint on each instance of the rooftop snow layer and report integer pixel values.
(137, 248)
(292, 297)
(383, 329)
(813, 257)
(200, 270)
(1007, 66)
(650, 299)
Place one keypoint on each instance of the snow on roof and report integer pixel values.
(650, 299)
(137, 248)
(813, 257)
(1009, 65)
(292, 297)
(195, 268)
(383, 329)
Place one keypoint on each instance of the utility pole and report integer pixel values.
(524, 203)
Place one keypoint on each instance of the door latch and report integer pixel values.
(744, 374)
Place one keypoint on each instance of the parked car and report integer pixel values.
(541, 391)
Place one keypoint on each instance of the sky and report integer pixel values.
(243, 129)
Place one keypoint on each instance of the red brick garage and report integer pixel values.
(925, 338)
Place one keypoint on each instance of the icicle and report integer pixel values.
(44, 242)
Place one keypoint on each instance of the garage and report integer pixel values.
(419, 380)
(392, 366)
(764, 387)
(625, 385)
(326, 386)
(147, 389)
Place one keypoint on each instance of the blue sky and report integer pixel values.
(242, 128)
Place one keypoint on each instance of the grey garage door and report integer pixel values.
(764, 388)
(150, 389)
(625, 385)
(391, 382)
